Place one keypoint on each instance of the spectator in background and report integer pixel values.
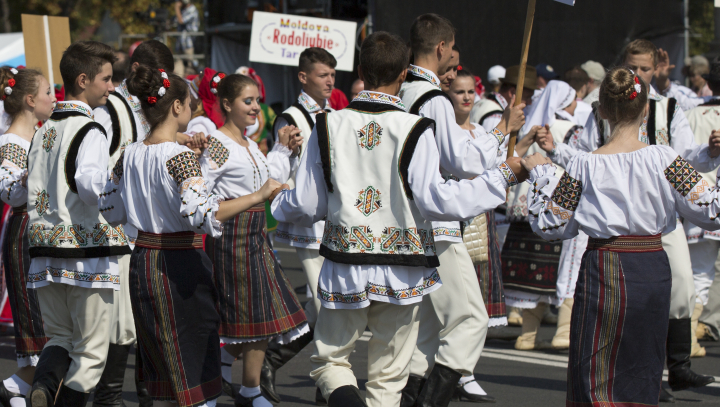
(495, 77)
(596, 72)
(120, 68)
(696, 68)
(188, 21)
(545, 73)
(357, 87)
(338, 100)
(579, 80)
(448, 77)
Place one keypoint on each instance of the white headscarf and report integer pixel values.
(557, 96)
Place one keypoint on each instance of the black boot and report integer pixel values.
(144, 399)
(71, 398)
(109, 389)
(6, 395)
(411, 391)
(275, 357)
(439, 387)
(679, 346)
(51, 369)
(319, 399)
(666, 397)
(346, 396)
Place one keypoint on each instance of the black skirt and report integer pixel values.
(529, 263)
(174, 305)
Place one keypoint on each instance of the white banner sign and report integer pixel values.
(717, 3)
(572, 2)
(280, 38)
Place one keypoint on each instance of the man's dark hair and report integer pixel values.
(84, 57)
(713, 78)
(315, 55)
(153, 54)
(428, 31)
(120, 67)
(383, 57)
(576, 78)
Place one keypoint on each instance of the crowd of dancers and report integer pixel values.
(140, 216)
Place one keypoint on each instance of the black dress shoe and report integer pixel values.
(346, 396)
(49, 373)
(6, 395)
(231, 389)
(679, 347)
(319, 399)
(666, 397)
(439, 387)
(463, 395)
(242, 401)
(68, 397)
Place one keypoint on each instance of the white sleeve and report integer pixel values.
(11, 190)
(587, 142)
(92, 166)
(552, 215)
(102, 116)
(280, 162)
(110, 201)
(307, 203)
(686, 102)
(439, 200)
(459, 154)
(699, 204)
(682, 139)
(491, 122)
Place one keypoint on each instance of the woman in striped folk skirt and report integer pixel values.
(256, 301)
(490, 277)
(157, 186)
(623, 196)
(27, 320)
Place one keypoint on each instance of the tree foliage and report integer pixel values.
(702, 25)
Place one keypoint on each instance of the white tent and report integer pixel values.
(12, 49)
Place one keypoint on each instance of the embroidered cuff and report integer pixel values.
(499, 136)
(540, 171)
(508, 175)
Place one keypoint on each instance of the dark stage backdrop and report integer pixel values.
(490, 32)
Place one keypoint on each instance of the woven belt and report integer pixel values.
(19, 210)
(628, 244)
(169, 241)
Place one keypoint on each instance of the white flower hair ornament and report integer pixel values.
(14, 71)
(216, 81)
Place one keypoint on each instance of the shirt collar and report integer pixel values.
(74, 106)
(653, 94)
(379, 97)
(133, 101)
(425, 74)
(500, 99)
(311, 105)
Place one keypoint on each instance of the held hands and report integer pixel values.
(533, 161)
(290, 137)
(714, 143)
(515, 165)
(23, 180)
(544, 139)
(268, 189)
(277, 191)
(513, 116)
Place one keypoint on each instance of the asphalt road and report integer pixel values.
(515, 378)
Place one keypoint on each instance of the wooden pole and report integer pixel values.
(523, 64)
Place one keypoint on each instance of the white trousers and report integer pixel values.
(122, 328)
(453, 319)
(78, 319)
(682, 300)
(704, 254)
(312, 262)
(394, 331)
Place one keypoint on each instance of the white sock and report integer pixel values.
(226, 366)
(472, 386)
(252, 392)
(211, 403)
(17, 385)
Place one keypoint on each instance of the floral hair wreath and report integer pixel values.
(216, 81)
(637, 87)
(161, 92)
(11, 83)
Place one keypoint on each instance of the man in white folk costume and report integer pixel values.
(380, 255)
(665, 124)
(452, 315)
(317, 76)
(124, 123)
(75, 254)
(704, 244)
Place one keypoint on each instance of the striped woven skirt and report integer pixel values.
(256, 300)
(27, 320)
(619, 323)
(174, 305)
(489, 275)
(529, 263)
